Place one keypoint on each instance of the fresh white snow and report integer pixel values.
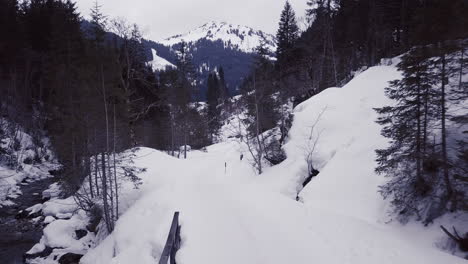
(228, 214)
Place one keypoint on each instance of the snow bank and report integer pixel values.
(347, 139)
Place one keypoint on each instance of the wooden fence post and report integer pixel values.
(172, 243)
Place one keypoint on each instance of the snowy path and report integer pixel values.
(228, 219)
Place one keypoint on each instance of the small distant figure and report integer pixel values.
(225, 167)
(241, 156)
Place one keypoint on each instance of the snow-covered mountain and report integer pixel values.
(233, 36)
(213, 45)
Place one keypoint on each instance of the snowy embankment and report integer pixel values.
(230, 215)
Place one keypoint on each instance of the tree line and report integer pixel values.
(88, 85)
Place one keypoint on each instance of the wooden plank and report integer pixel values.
(176, 245)
(172, 243)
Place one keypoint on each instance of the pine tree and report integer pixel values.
(213, 97)
(420, 160)
(288, 32)
(407, 125)
(223, 87)
(182, 94)
(99, 23)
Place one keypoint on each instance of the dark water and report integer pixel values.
(17, 236)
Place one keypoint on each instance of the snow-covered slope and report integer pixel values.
(229, 214)
(158, 63)
(347, 137)
(234, 36)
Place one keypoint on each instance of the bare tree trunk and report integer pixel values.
(126, 85)
(172, 132)
(115, 170)
(111, 187)
(105, 108)
(103, 161)
(89, 174)
(444, 131)
(88, 157)
(104, 193)
(185, 141)
(96, 172)
(425, 122)
(460, 81)
(74, 167)
(329, 37)
(418, 136)
(257, 131)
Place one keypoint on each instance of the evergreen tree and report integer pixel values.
(182, 96)
(213, 97)
(288, 32)
(418, 160)
(99, 23)
(223, 87)
(406, 124)
(187, 73)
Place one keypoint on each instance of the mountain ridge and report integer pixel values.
(233, 36)
(213, 45)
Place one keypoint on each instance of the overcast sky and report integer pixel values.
(160, 19)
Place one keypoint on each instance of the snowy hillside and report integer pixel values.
(158, 63)
(231, 215)
(347, 136)
(234, 36)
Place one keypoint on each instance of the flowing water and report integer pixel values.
(18, 235)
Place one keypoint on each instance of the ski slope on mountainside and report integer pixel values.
(230, 215)
(158, 63)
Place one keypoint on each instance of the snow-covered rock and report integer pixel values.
(49, 219)
(56, 207)
(54, 190)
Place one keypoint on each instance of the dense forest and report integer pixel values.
(94, 95)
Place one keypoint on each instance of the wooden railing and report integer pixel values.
(172, 243)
